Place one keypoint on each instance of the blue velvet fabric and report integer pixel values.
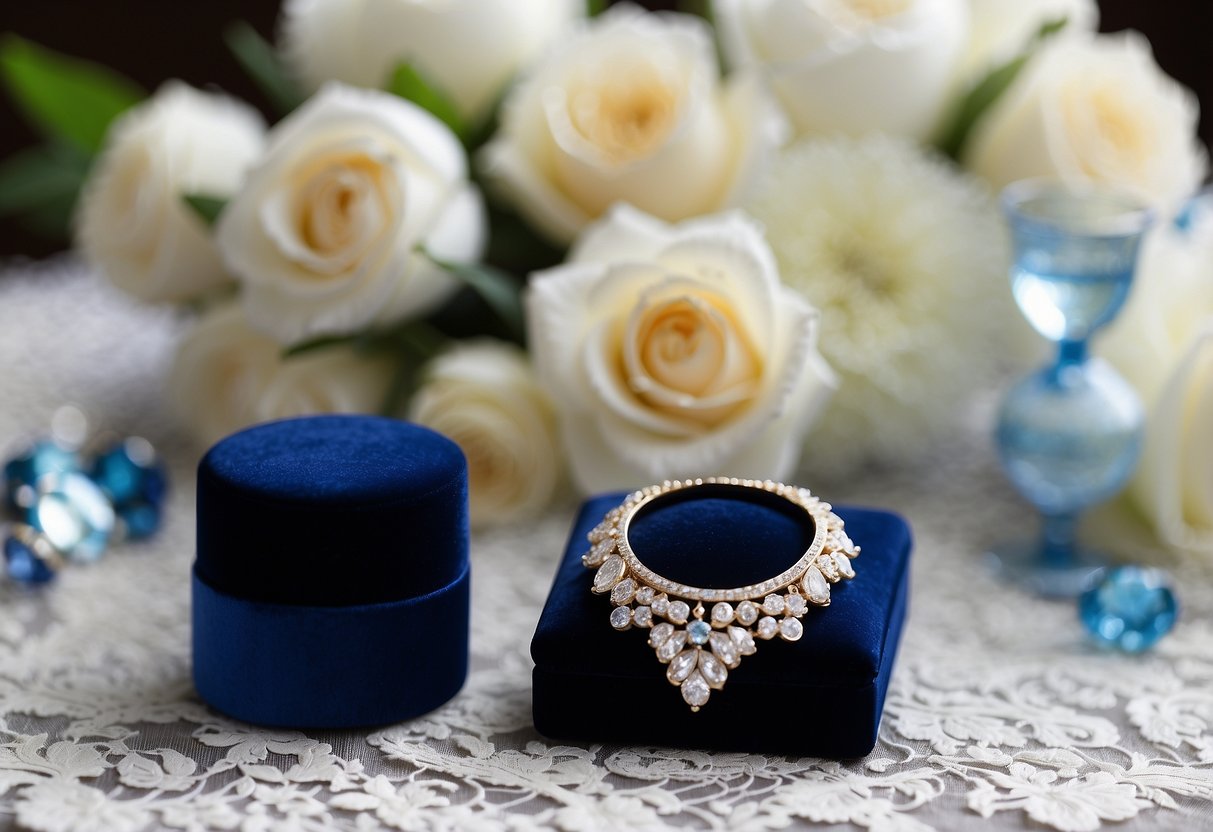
(592, 683)
(331, 580)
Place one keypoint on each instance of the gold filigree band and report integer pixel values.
(701, 645)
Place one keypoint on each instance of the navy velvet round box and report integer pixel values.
(331, 582)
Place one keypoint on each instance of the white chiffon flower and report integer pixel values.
(470, 49)
(1162, 344)
(906, 258)
(132, 224)
(675, 351)
(629, 109)
(484, 396)
(850, 66)
(335, 227)
(1094, 110)
(228, 375)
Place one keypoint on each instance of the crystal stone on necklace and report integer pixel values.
(678, 612)
(609, 574)
(698, 632)
(695, 691)
(747, 612)
(621, 618)
(623, 592)
(74, 514)
(815, 586)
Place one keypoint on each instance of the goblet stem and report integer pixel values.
(1070, 353)
(1059, 539)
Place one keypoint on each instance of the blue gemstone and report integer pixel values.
(698, 631)
(74, 514)
(1130, 608)
(24, 565)
(141, 519)
(129, 472)
(41, 458)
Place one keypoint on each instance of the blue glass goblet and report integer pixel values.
(1069, 434)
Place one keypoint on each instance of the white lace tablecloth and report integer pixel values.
(998, 709)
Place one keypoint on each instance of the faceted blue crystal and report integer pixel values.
(24, 565)
(1129, 607)
(74, 514)
(39, 459)
(130, 472)
(699, 631)
(141, 519)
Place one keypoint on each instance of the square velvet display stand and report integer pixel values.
(819, 696)
(331, 581)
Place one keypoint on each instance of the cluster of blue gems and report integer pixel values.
(67, 505)
(702, 634)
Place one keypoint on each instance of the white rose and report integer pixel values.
(484, 396)
(675, 351)
(629, 109)
(132, 224)
(1094, 110)
(851, 66)
(470, 49)
(1000, 29)
(1163, 345)
(228, 375)
(328, 231)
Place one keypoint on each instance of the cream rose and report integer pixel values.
(1163, 344)
(131, 222)
(629, 109)
(484, 396)
(333, 229)
(227, 376)
(470, 49)
(851, 66)
(1094, 110)
(675, 351)
(1000, 29)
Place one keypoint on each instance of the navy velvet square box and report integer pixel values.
(331, 582)
(820, 696)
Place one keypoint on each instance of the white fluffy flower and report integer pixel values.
(484, 396)
(1163, 345)
(132, 224)
(470, 49)
(675, 351)
(629, 109)
(228, 375)
(333, 228)
(851, 66)
(906, 258)
(1094, 110)
(1000, 29)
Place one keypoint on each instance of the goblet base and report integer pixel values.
(1025, 562)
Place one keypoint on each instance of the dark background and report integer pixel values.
(151, 40)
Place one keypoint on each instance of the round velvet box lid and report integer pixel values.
(331, 580)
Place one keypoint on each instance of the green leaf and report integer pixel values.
(407, 82)
(595, 7)
(263, 66)
(63, 97)
(496, 288)
(38, 176)
(207, 207)
(959, 124)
